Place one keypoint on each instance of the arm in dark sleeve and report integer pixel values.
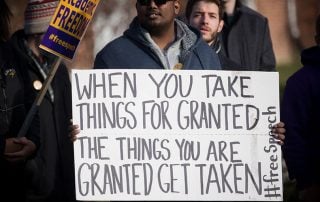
(267, 60)
(295, 113)
(99, 62)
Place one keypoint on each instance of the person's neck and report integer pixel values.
(164, 37)
(230, 7)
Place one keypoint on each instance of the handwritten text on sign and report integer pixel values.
(184, 135)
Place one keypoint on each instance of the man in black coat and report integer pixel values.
(246, 37)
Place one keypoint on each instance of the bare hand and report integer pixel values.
(27, 149)
(74, 130)
(278, 131)
(11, 146)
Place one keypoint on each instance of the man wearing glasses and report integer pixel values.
(157, 40)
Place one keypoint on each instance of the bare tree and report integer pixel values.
(112, 18)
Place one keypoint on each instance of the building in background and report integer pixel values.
(291, 25)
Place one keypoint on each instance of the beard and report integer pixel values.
(211, 38)
(156, 27)
(155, 22)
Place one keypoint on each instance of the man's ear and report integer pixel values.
(177, 7)
(221, 24)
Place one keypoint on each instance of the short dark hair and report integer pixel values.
(191, 4)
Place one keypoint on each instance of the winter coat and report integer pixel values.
(301, 113)
(226, 63)
(16, 98)
(133, 51)
(246, 40)
(53, 166)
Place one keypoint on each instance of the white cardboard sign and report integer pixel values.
(176, 135)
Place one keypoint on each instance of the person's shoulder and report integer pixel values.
(116, 50)
(7, 52)
(311, 52)
(115, 44)
(228, 64)
(19, 34)
(305, 76)
(310, 57)
(18, 46)
(207, 55)
(251, 14)
(203, 47)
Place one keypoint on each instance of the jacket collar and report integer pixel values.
(310, 57)
(189, 39)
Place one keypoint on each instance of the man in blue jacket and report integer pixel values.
(301, 113)
(206, 16)
(157, 40)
